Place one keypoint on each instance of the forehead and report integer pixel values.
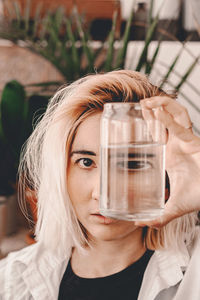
(88, 134)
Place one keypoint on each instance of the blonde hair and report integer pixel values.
(44, 159)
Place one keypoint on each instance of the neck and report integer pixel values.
(108, 257)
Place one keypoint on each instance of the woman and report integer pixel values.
(80, 254)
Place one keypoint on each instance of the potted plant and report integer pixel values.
(16, 113)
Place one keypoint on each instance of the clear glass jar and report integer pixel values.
(132, 163)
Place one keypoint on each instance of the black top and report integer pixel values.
(123, 285)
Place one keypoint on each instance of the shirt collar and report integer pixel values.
(165, 269)
(48, 270)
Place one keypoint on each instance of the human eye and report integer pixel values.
(134, 165)
(85, 163)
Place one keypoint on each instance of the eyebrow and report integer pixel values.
(83, 152)
(134, 155)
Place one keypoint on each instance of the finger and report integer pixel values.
(156, 128)
(148, 114)
(179, 112)
(173, 127)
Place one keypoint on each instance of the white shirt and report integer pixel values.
(34, 273)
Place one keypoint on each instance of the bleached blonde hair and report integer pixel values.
(45, 158)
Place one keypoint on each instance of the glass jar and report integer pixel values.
(132, 183)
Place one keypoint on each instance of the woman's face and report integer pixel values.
(84, 184)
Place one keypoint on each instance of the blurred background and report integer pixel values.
(46, 43)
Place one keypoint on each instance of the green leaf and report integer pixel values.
(56, 49)
(187, 73)
(36, 20)
(171, 67)
(27, 15)
(58, 18)
(120, 61)
(87, 51)
(13, 114)
(150, 65)
(55, 61)
(44, 26)
(150, 19)
(17, 12)
(111, 39)
(75, 56)
(149, 36)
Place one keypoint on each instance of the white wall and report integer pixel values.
(167, 53)
(169, 9)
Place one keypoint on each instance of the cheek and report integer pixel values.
(77, 186)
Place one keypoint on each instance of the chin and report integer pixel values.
(111, 232)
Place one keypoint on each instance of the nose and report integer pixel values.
(96, 185)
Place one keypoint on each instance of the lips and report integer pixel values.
(103, 220)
